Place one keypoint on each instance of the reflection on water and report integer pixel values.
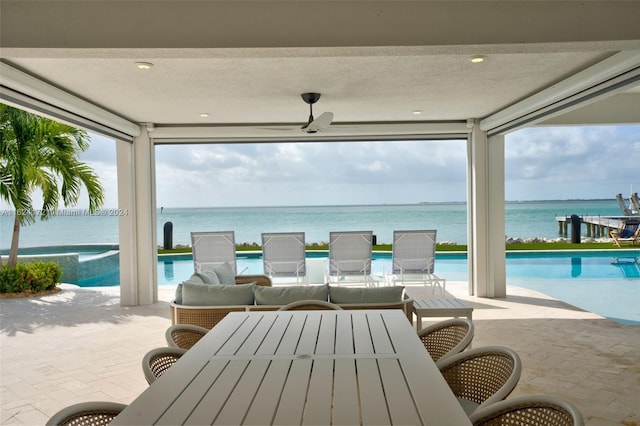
(576, 267)
(629, 266)
(168, 270)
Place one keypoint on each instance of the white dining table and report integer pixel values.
(302, 367)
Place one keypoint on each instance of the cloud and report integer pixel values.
(310, 173)
(572, 162)
(540, 163)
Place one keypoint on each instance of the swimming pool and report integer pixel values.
(603, 282)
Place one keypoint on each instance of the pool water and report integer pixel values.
(531, 265)
(603, 282)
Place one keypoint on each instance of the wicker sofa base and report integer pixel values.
(209, 316)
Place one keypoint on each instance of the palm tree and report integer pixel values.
(36, 152)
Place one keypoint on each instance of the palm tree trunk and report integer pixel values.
(13, 251)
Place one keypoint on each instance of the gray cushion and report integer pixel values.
(225, 274)
(365, 295)
(208, 277)
(283, 295)
(217, 295)
(194, 279)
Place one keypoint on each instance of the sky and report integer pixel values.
(546, 163)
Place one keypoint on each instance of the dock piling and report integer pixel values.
(575, 229)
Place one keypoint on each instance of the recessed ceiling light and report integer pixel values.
(477, 59)
(204, 114)
(144, 65)
(417, 112)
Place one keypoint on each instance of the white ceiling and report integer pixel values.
(247, 63)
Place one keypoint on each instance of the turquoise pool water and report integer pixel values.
(603, 282)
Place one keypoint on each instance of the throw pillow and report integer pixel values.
(217, 295)
(208, 276)
(225, 274)
(194, 279)
(283, 295)
(365, 295)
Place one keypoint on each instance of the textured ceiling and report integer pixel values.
(243, 78)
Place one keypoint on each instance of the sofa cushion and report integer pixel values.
(225, 274)
(283, 295)
(217, 295)
(208, 277)
(194, 279)
(365, 294)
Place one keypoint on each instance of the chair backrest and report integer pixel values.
(630, 230)
(530, 410)
(211, 249)
(414, 252)
(350, 253)
(184, 336)
(483, 375)
(446, 338)
(310, 305)
(157, 361)
(93, 413)
(283, 254)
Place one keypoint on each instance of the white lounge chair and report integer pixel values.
(283, 255)
(211, 249)
(350, 257)
(413, 259)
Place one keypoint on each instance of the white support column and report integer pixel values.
(487, 269)
(138, 247)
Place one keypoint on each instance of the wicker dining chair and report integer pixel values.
(530, 410)
(184, 336)
(310, 305)
(94, 413)
(446, 338)
(157, 361)
(479, 377)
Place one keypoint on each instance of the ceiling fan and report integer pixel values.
(315, 125)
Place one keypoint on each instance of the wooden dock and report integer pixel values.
(595, 226)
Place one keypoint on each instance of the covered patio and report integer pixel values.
(567, 352)
(232, 72)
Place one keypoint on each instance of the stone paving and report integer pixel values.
(81, 345)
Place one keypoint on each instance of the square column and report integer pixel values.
(137, 228)
(485, 207)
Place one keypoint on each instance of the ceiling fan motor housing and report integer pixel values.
(310, 98)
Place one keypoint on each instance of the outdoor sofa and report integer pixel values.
(204, 300)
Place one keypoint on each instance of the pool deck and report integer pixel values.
(81, 345)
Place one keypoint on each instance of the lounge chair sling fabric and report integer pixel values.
(413, 258)
(211, 249)
(629, 232)
(350, 255)
(414, 252)
(283, 254)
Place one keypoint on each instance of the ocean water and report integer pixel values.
(522, 220)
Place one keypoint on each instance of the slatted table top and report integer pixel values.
(441, 303)
(302, 367)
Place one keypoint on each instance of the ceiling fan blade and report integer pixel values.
(320, 123)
